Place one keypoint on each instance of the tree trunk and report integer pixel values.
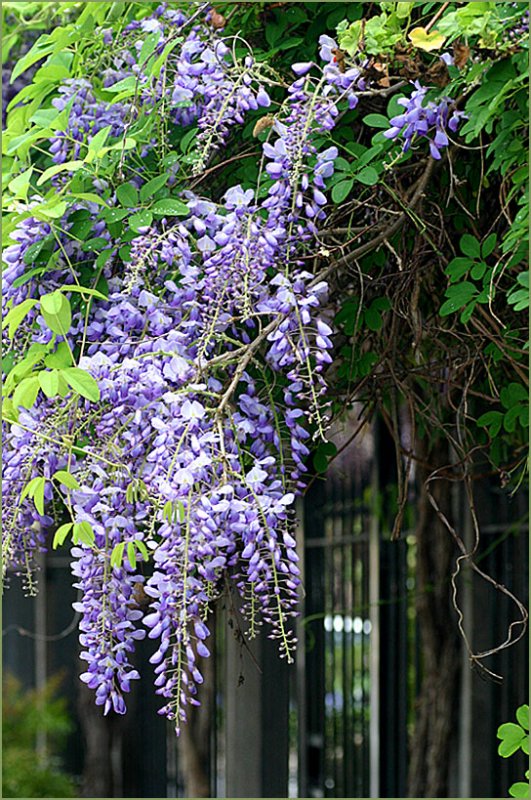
(435, 720)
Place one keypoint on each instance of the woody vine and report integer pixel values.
(214, 245)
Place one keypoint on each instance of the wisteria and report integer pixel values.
(197, 82)
(204, 336)
(430, 121)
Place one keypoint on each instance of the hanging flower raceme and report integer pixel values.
(428, 121)
(208, 350)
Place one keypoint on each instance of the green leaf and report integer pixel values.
(70, 166)
(17, 315)
(94, 245)
(141, 219)
(90, 197)
(511, 418)
(57, 313)
(148, 190)
(488, 245)
(324, 451)
(84, 290)
(458, 267)
(41, 48)
(117, 555)
(127, 195)
(368, 176)
(179, 511)
(173, 511)
(520, 299)
(82, 382)
(20, 184)
(512, 736)
(127, 83)
(342, 190)
(115, 214)
(188, 140)
(491, 420)
(30, 488)
(376, 121)
(24, 367)
(458, 296)
(513, 393)
(60, 535)
(522, 715)
(369, 155)
(470, 246)
(403, 10)
(34, 249)
(51, 118)
(38, 495)
(26, 392)
(141, 547)
(170, 207)
(125, 144)
(320, 462)
(478, 270)
(519, 789)
(148, 48)
(8, 361)
(61, 358)
(27, 276)
(83, 533)
(131, 554)
(373, 319)
(97, 142)
(66, 479)
(51, 210)
(157, 64)
(49, 382)
(16, 145)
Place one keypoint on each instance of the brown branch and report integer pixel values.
(467, 555)
(386, 234)
(246, 154)
(437, 16)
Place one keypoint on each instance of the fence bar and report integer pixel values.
(257, 693)
(374, 617)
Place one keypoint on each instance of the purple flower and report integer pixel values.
(424, 121)
(302, 67)
(188, 459)
(327, 45)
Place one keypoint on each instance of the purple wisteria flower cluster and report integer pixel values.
(209, 352)
(199, 82)
(430, 121)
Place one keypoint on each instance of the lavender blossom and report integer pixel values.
(425, 121)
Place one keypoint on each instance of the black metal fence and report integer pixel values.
(337, 627)
(338, 723)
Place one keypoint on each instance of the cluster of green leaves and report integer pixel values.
(514, 738)
(378, 34)
(25, 713)
(485, 281)
(381, 33)
(465, 294)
